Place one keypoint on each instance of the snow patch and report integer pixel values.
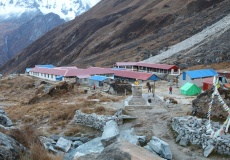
(66, 9)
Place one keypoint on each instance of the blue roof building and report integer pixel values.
(45, 66)
(97, 80)
(154, 78)
(196, 76)
(203, 73)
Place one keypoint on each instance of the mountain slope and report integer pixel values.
(120, 31)
(18, 16)
(29, 32)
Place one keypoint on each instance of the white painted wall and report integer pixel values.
(198, 82)
(50, 77)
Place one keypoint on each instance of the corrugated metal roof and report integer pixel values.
(150, 65)
(54, 71)
(132, 74)
(201, 73)
(98, 70)
(126, 63)
(45, 66)
(83, 76)
(158, 66)
(98, 78)
(28, 69)
(154, 78)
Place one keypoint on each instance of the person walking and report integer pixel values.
(149, 87)
(170, 90)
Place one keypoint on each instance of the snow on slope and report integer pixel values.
(66, 9)
(207, 34)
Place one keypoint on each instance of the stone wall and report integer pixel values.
(96, 121)
(193, 130)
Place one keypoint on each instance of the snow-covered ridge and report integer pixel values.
(66, 9)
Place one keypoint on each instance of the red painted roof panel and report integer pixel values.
(132, 74)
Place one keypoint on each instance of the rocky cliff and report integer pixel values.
(27, 33)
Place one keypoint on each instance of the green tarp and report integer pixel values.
(189, 89)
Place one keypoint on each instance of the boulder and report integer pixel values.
(160, 147)
(126, 151)
(4, 120)
(10, 149)
(142, 140)
(110, 133)
(77, 143)
(208, 150)
(129, 135)
(92, 146)
(184, 141)
(63, 144)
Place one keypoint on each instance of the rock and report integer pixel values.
(178, 137)
(92, 146)
(47, 142)
(148, 148)
(77, 143)
(123, 150)
(2, 111)
(208, 150)
(110, 133)
(5, 121)
(142, 140)
(10, 149)
(55, 137)
(160, 147)
(84, 139)
(46, 139)
(63, 144)
(53, 150)
(130, 136)
(184, 141)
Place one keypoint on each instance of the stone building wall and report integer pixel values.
(94, 120)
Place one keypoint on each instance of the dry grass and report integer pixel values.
(29, 138)
(52, 115)
(77, 130)
(104, 98)
(100, 109)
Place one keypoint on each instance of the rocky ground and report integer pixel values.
(53, 114)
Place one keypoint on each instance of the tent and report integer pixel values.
(189, 89)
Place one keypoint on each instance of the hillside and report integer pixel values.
(130, 30)
(22, 21)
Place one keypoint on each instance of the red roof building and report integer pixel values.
(132, 75)
(149, 67)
